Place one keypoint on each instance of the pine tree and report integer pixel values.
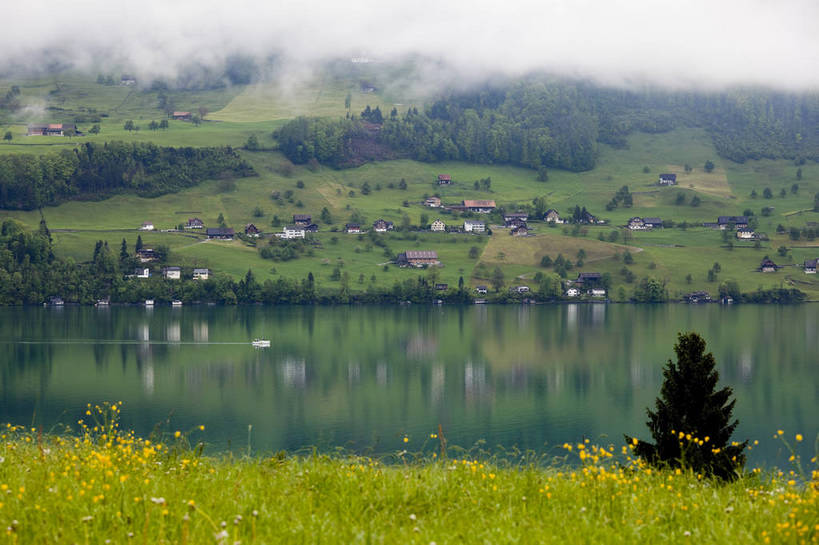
(691, 425)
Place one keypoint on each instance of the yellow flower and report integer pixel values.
(201, 427)
(406, 439)
(798, 437)
(779, 432)
(177, 434)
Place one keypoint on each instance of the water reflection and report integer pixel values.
(523, 375)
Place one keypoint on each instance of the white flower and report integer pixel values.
(158, 501)
(413, 517)
(221, 535)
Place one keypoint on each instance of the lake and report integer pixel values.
(364, 377)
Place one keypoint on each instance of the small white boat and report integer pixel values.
(261, 343)
(149, 302)
(176, 303)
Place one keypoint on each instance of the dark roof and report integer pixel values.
(767, 263)
(352, 226)
(811, 263)
(523, 215)
(220, 231)
(200, 271)
(582, 277)
(302, 217)
(195, 221)
(668, 176)
(652, 220)
(722, 220)
(171, 269)
(251, 228)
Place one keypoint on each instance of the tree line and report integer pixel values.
(96, 171)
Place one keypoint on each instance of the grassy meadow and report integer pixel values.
(681, 258)
(101, 484)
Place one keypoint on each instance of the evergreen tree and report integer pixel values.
(138, 245)
(692, 425)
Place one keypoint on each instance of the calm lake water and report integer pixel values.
(360, 377)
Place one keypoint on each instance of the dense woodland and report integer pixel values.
(96, 171)
(549, 123)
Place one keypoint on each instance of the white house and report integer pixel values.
(292, 231)
(667, 179)
(552, 216)
(572, 292)
(810, 266)
(471, 226)
(637, 224)
(433, 202)
(172, 273)
(147, 226)
(481, 290)
(142, 272)
(597, 292)
(438, 226)
(521, 289)
(745, 233)
(352, 228)
(201, 274)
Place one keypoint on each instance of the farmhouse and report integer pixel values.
(292, 231)
(588, 279)
(444, 179)
(181, 116)
(519, 231)
(382, 226)
(745, 233)
(146, 255)
(172, 273)
(768, 266)
(441, 287)
(201, 274)
(552, 216)
(653, 223)
(514, 222)
(521, 216)
(52, 129)
(194, 223)
(418, 258)
(588, 217)
(667, 179)
(147, 226)
(223, 233)
(252, 231)
(438, 226)
(352, 228)
(739, 222)
(810, 266)
(471, 226)
(572, 292)
(433, 202)
(482, 207)
(637, 224)
(302, 219)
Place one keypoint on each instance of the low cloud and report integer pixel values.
(699, 43)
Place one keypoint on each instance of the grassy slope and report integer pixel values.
(668, 254)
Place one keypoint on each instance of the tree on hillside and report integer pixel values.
(691, 424)
(8, 136)
(129, 125)
(497, 279)
(709, 166)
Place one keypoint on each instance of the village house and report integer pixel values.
(519, 231)
(519, 289)
(172, 273)
(352, 228)
(194, 223)
(417, 258)
(724, 222)
(810, 266)
(482, 290)
(588, 217)
(588, 279)
(444, 179)
(127, 80)
(181, 116)
(745, 233)
(653, 223)
(437, 226)
(252, 231)
(597, 292)
(146, 255)
(515, 216)
(142, 272)
(667, 179)
(637, 224)
(55, 301)
(552, 216)
(767, 266)
(292, 231)
(53, 129)
(572, 292)
(147, 226)
(481, 207)
(382, 226)
(433, 202)
(223, 233)
(696, 297)
(513, 223)
(441, 287)
(471, 226)
(201, 274)
(302, 219)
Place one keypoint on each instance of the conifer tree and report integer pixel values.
(691, 424)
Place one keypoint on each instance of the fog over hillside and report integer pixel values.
(699, 43)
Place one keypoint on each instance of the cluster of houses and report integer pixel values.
(644, 224)
(586, 283)
(516, 223)
(379, 226)
(171, 273)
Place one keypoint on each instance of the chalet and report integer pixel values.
(433, 202)
(767, 266)
(146, 255)
(667, 179)
(810, 266)
(513, 223)
(572, 292)
(382, 226)
(352, 228)
(588, 279)
(482, 207)
(52, 129)
(142, 272)
(745, 233)
(181, 116)
(521, 216)
(201, 274)
(637, 224)
(519, 289)
(552, 216)
(302, 219)
(481, 290)
(223, 233)
(147, 226)
(194, 223)
(738, 222)
(474, 226)
(292, 231)
(519, 231)
(444, 179)
(653, 223)
(252, 231)
(172, 273)
(418, 258)
(441, 287)
(696, 297)
(438, 226)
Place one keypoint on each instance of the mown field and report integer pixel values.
(679, 257)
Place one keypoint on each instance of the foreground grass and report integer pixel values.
(106, 486)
